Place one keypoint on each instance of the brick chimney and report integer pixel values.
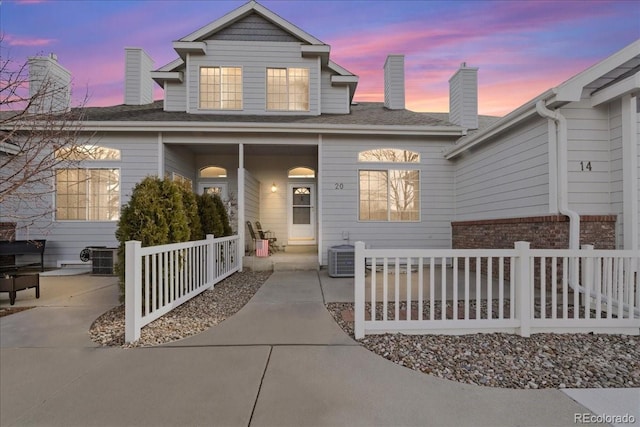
(463, 97)
(394, 82)
(50, 84)
(138, 85)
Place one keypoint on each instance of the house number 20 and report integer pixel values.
(339, 186)
(585, 166)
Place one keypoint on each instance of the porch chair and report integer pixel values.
(252, 234)
(268, 235)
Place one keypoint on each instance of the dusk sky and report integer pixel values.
(522, 48)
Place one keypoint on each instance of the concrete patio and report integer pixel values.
(281, 360)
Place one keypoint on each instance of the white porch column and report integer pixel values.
(241, 219)
(630, 172)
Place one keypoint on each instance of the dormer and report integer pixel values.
(253, 62)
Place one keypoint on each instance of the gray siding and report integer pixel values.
(252, 205)
(340, 195)
(65, 239)
(138, 85)
(505, 178)
(253, 27)
(335, 99)
(589, 141)
(615, 124)
(394, 82)
(254, 58)
(175, 96)
(179, 160)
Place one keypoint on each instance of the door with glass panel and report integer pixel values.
(302, 213)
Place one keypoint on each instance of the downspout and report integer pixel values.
(563, 176)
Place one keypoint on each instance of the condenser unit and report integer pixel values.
(103, 260)
(342, 261)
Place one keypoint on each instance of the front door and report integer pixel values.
(302, 214)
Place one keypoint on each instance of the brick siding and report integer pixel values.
(543, 232)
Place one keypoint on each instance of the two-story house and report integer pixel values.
(255, 110)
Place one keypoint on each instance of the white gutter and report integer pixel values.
(306, 128)
(560, 123)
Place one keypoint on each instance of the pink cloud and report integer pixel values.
(12, 40)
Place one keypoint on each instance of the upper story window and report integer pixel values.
(221, 88)
(288, 89)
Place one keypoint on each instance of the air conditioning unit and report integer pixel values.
(342, 261)
(103, 260)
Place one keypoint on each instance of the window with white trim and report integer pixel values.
(389, 193)
(288, 89)
(87, 193)
(221, 88)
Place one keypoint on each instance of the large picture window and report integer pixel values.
(88, 194)
(221, 88)
(288, 89)
(389, 194)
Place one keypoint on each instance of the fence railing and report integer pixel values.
(520, 290)
(160, 278)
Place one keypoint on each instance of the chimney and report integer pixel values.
(463, 97)
(394, 82)
(50, 84)
(138, 85)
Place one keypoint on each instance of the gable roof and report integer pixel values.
(242, 12)
(611, 78)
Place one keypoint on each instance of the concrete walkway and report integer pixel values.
(280, 361)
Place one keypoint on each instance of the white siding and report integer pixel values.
(394, 82)
(335, 99)
(505, 178)
(588, 141)
(463, 97)
(138, 85)
(270, 165)
(616, 197)
(340, 195)
(175, 96)
(254, 58)
(638, 151)
(56, 94)
(251, 205)
(180, 160)
(65, 239)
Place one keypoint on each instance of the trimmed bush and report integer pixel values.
(224, 217)
(154, 215)
(190, 203)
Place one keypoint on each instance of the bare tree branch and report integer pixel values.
(36, 139)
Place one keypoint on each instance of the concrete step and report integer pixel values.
(301, 249)
(282, 262)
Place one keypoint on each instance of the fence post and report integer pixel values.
(133, 291)
(523, 287)
(358, 327)
(211, 260)
(587, 275)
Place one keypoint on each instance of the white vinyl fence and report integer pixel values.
(520, 290)
(160, 278)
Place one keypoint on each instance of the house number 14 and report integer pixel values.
(585, 166)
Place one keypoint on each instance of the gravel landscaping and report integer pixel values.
(495, 360)
(196, 315)
(508, 360)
